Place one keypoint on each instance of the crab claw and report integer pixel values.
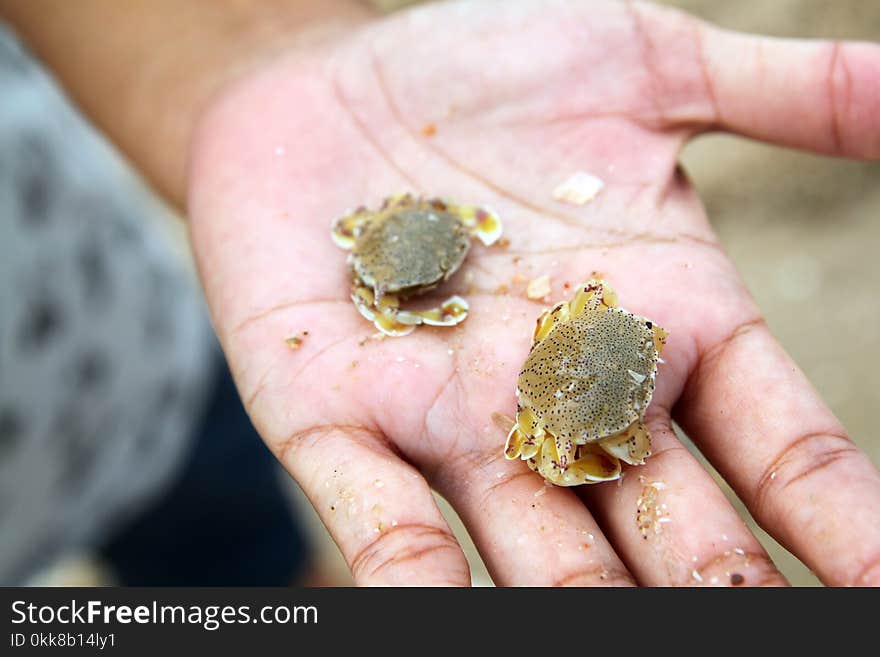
(384, 314)
(591, 468)
(660, 335)
(363, 301)
(389, 325)
(519, 445)
(409, 318)
(344, 230)
(549, 319)
(632, 446)
(590, 465)
(387, 316)
(401, 199)
(451, 312)
(514, 444)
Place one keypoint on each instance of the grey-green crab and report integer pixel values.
(584, 389)
(409, 246)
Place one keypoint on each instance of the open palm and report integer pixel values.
(496, 104)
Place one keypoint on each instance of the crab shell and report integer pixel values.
(410, 250)
(407, 247)
(584, 389)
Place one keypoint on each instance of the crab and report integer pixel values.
(584, 389)
(405, 248)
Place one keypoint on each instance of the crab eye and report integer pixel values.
(649, 324)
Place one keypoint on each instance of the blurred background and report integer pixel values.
(802, 229)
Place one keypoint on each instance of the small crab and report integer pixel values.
(584, 388)
(409, 246)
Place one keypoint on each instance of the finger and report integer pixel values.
(816, 95)
(757, 418)
(378, 509)
(673, 526)
(529, 533)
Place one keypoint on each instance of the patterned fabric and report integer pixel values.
(104, 342)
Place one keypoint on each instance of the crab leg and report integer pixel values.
(389, 318)
(383, 314)
(592, 295)
(344, 230)
(549, 319)
(660, 335)
(402, 199)
(482, 222)
(451, 312)
(525, 438)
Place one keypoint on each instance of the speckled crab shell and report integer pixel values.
(409, 246)
(584, 389)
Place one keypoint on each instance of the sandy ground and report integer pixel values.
(801, 229)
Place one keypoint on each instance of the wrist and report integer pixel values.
(264, 36)
(145, 71)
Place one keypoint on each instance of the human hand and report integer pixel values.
(522, 95)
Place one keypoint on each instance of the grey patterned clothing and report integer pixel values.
(104, 343)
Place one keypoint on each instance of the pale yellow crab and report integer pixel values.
(584, 388)
(409, 246)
